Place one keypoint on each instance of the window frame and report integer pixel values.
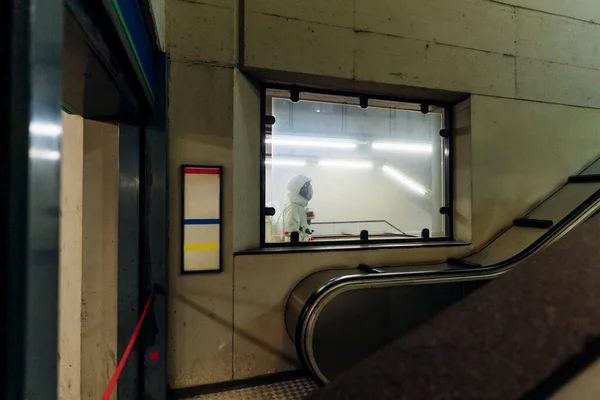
(447, 175)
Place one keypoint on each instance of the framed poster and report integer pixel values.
(201, 206)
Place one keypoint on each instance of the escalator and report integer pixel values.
(337, 318)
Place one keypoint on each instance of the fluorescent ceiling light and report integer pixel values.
(45, 129)
(405, 180)
(403, 147)
(288, 162)
(346, 163)
(311, 142)
(44, 154)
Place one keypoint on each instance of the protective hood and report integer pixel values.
(293, 187)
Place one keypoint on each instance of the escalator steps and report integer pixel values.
(368, 269)
(459, 262)
(533, 223)
(585, 178)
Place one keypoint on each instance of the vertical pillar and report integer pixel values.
(155, 240)
(129, 256)
(71, 259)
(29, 182)
(88, 258)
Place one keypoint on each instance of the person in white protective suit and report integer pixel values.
(299, 193)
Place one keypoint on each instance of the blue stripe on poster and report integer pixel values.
(213, 221)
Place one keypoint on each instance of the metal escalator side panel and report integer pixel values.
(307, 291)
(308, 287)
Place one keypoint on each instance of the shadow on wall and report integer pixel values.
(252, 339)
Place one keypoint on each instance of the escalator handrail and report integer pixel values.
(577, 215)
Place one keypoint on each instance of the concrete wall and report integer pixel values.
(88, 258)
(534, 112)
(476, 46)
(99, 276)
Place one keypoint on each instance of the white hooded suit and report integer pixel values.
(294, 212)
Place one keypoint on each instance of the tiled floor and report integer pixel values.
(294, 389)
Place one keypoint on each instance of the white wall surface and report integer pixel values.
(356, 195)
(532, 70)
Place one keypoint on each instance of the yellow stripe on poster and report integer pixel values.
(204, 246)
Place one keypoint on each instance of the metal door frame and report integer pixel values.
(30, 181)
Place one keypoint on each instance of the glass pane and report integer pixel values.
(511, 242)
(517, 239)
(561, 203)
(593, 169)
(377, 169)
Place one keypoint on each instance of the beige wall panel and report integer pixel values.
(331, 12)
(463, 189)
(71, 258)
(100, 230)
(201, 260)
(200, 32)
(201, 233)
(472, 24)
(200, 306)
(202, 196)
(558, 39)
(586, 10)
(557, 83)
(246, 139)
(399, 61)
(516, 164)
(298, 46)
(202, 248)
(201, 106)
(200, 327)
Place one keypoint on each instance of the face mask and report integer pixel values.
(307, 191)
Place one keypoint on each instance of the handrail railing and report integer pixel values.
(368, 221)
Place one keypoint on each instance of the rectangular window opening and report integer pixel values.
(343, 169)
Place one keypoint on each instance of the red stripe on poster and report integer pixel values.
(201, 171)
